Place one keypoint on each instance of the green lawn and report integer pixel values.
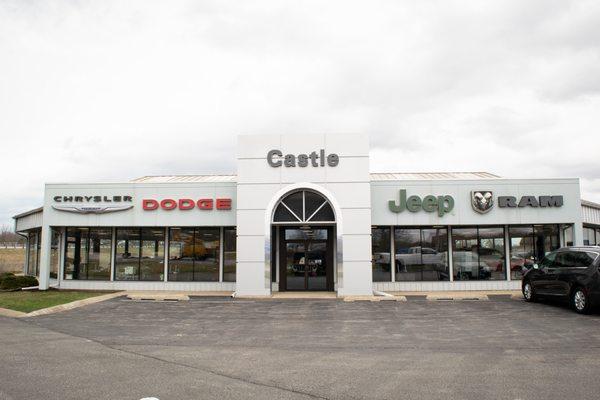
(27, 301)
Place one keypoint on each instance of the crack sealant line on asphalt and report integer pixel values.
(180, 364)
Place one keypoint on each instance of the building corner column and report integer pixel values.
(578, 234)
(45, 250)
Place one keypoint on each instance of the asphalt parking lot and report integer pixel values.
(292, 349)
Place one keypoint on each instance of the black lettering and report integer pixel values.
(302, 160)
(78, 199)
(270, 156)
(116, 198)
(333, 160)
(127, 199)
(507, 201)
(322, 157)
(289, 160)
(107, 200)
(97, 199)
(528, 201)
(88, 198)
(57, 199)
(551, 201)
(313, 159)
(67, 198)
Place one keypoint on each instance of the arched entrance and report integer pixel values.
(304, 222)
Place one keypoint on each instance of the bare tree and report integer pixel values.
(8, 235)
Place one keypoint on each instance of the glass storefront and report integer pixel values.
(54, 254)
(229, 253)
(591, 236)
(529, 244)
(33, 266)
(194, 254)
(421, 254)
(140, 254)
(88, 253)
(381, 262)
(478, 253)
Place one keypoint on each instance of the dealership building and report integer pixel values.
(303, 213)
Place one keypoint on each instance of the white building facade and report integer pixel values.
(302, 213)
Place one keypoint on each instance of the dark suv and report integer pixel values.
(570, 272)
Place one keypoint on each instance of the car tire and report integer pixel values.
(528, 292)
(580, 301)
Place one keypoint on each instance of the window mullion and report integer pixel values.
(293, 213)
(303, 206)
(316, 211)
(194, 253)
(140, 255)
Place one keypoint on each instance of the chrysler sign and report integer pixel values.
(92, 204)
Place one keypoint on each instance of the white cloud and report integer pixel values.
(97, 91)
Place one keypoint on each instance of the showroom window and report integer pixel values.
(529, 244)
(194, 254)
(421, 254)
(229, 253)
(478, 253)
(88, 253)
(33, 257)
(590, 236)
(54, 253)
(140, 254)
(380, 260)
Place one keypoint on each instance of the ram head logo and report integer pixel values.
(482, 201)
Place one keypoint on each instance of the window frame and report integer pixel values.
(63, 271)
(419, 251)
(478, 239)
(220, 254)
(304, 218)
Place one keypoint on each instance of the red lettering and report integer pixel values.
(186, 204)
(223, 204)
(205, 204)
(168, 204)
(149, 204)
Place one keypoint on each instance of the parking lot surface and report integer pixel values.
(299, 349)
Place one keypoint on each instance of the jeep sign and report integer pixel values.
(441, 204)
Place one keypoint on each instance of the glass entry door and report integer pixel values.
(306, 259)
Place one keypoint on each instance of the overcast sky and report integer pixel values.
(112, 90)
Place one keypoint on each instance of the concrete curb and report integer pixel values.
(458, 297)
(373, 298)
(6, 312)
(72, 305)
(158, 297)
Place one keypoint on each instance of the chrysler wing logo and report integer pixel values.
(92, 209)
(482, 201)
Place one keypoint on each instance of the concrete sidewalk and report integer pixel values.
(463, 294)
(184, 296)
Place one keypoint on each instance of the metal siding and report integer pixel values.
(591, 215)
(30, 221)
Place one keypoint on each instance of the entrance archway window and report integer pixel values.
(304, 206)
